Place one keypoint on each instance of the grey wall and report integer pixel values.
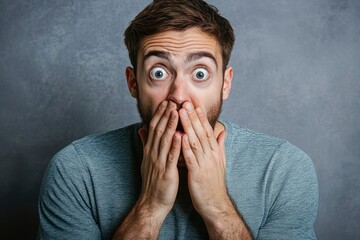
(296, 77)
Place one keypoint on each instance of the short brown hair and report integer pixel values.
(179, 15)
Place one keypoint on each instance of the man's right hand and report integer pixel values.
(160, 179)
(159, 172)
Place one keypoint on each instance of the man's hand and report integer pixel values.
(205, 159)
(204, 154)
(160, 177)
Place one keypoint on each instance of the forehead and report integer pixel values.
(181, 43)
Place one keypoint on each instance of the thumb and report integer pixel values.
(143, 135)
(221, 141)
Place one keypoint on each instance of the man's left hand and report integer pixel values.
(204, 154)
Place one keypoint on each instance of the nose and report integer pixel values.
(178, 91)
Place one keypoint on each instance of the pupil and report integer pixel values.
(159, 74)
(200, 74)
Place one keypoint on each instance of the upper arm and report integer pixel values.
(292, 196)
(65, 205)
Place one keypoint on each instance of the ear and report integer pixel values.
(228, 76)
(131, 81)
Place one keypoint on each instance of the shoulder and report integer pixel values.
(109, 139)
(274, 162)
(93, 149)
(238, 133)
(248, 144)
(278, 177)
(260, 149)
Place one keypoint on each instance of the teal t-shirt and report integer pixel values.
(91, 185)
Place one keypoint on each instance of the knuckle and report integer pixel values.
(171, 157)
(186, 146)
(176, 142)
(203, 137)
(153, 156)
(190, 159)
(202, 117)
(176, 145)
(171, 124)
(194, 145)
(161, 108)
(208, 134)
(167, 113)
(152, 126)
(155, 162)
(164, 141)
(159, 131)
(146, 149)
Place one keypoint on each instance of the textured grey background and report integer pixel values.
(296, 77)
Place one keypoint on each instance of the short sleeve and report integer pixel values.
(292, 196)
(65, 200)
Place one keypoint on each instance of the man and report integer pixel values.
(182, 173)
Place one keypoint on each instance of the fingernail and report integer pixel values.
(177, 137)
(186, 140)
(188, 107)
(163, 104)
(171, 105)
(199, 111)
(184, 114)
(172, 115)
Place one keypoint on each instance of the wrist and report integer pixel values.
(216, 215)
(222, 220)
(225, 222)
(214, 210)
(143, 222)
(150, 210)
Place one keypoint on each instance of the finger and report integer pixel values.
(155, 120)
(221, 141)
(209, 131)
(197, 126)
(190, 159)
(167, 138)
(143, 135)
(161, 127)
(173, 156)
(221, 138)
(189, 130)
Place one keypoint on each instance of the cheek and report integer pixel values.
(150, 99)
(206, 99)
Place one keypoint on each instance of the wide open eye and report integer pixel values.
(200, 74)
(158, 73)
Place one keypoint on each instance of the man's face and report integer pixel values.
(178, 67)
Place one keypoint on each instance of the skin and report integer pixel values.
(180, 81)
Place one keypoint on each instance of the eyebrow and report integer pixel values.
(157, 53)
(197, 55)
(191, 57)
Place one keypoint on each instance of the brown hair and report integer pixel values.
(178, 15)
